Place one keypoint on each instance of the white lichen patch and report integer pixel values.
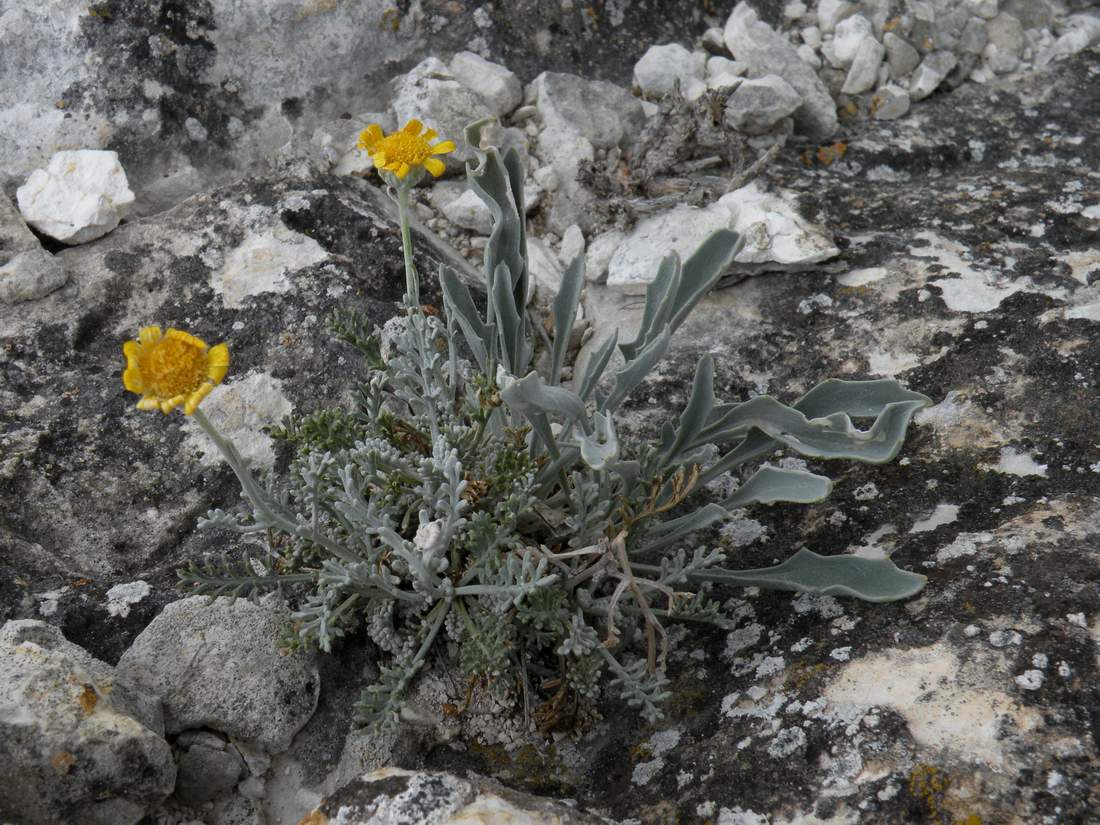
(1015, 463)
(943, 514)
(122, 596)
(960, 422)
(968, 288)
(262, 263)
(240, 410)
(944, 705)
(965, 544)
(1081, 263)
(862, 277)
(645, 771)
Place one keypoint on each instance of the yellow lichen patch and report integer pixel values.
(87, 699)
(172, 368)
(62, 762)
(315, 818)
(408, 149)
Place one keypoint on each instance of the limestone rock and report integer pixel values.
(932, 71)
(680, 229)
(81, 195)
(849, 38)
(598, 255)
(497, 85)
(218, 666)
(572, 244)
(1006, 43)
(863, 73)
(78, 741)
(766, 52)
(758, 105)
(14, 235)
(209, 766)
(663, 68)
(430, 93)
(30, 275)
(602, 113)
(392, 795)
(890, 102)
(901, 56)
(544, 268)
(776, 237)
(469, 212)
(831, 12)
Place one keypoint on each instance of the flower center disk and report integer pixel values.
(173, 367)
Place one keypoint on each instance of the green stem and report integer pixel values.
(412, 280)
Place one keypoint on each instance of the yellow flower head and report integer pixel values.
(405, 150)
(172, 368)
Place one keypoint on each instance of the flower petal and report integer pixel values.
(217, 363)
(149, 335)
(435, 166)
(132, 380)
(402, 170)
(193, 400)
(430, 134)
(380, 160)
(444, 147)
(413, 127)
(187, 338)
(370, 136)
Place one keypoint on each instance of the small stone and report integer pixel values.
(808, 56)
(714, 40)
(544, 268)
(572, 244)
(794, 10)
(811, 36)
(497, 85)
(901, 56)
(195, 130)
(80, 196)
(832, 12)
(599, 253)
(429, 93)
(469, 212)
(985, 9)
(974, 36)
(1085, 32)
(122, 596)
(15, 237)
(863, 74)
(1032, 14)
(661, 67)
(890, 102)
(718, 66)
(765, 51)
(681, 229)
(31, 275)
(207, 772)
(758, 105)
(849, 38)
(930, 74)
(1030, 680)
(1006, 43)
(602, 113)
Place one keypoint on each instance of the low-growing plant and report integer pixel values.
(484, 512)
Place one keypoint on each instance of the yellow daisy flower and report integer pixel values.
(172, 368)
(405, 150)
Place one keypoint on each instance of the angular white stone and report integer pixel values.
(757, 105)
(831, 12)
(765, 51)
(890, 102)
(598, 255)
(658, 70)
(497, 85)
(469, 212)
(775, 236)
(80, 196)
(429, 93)
(572, 244)
(903, 58)
(932, 71)
(718, 66)
(850, 34)
(863, 74)
(681, 229)
(544, 268)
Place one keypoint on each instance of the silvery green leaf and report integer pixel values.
(602, 446)
(492, 180)
(702, 271)
(630, 376)
(660, 299)
(461, 303)
(873, 580)
(832, 436)
(695, 415)
(515, 349)
(565, 312)
(771, 484)
(597, 364)
(530, 394)
(671, 531)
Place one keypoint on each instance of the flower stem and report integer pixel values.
(412, 280)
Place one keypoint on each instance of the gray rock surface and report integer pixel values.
(670, 66)
(208, 767)
(901, 55)
(218, 666)
(78, 741)
(497, 85)
(392, 795)
(30, 275)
